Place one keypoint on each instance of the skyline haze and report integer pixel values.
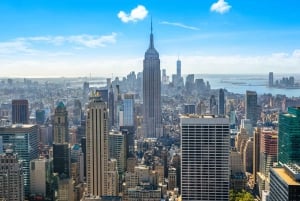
(79, 38)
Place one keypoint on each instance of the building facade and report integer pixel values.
(11, 177)
(289, 136)
(205, 158)
(20, 112)
(251, 106)
(97, 146)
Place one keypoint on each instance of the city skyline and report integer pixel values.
(83, 38)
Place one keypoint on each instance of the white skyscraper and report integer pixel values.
(97, 146)
(205, 158)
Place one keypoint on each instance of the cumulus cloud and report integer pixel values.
(178, 24)
(136, 14)
(220, 7)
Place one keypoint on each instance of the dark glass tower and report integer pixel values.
(251, 107)
(20, 112)
(152, 91)
(221, 104)
(289, 136)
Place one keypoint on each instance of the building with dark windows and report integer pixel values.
(205, 158)
(251, 108)
(271, 79)
(289, 136)
(221, 105)
(20, 112)
(24, 142)
(152, 92)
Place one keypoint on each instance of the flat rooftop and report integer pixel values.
(286, 177)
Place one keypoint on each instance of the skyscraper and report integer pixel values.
(289, 136)
(251, 107)
(221, 104)
(152, 91)
(61, 150)
(24, 139)
(11, 177)
(97, 146)
(271, 79)
(178, 65)
(20, 112)
(128, 112)
(61, 127)
(205, 158)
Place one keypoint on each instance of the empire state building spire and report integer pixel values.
(151, 46)
(151, 51)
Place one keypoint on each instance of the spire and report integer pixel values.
(151, 37)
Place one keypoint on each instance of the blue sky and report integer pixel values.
(50, 38)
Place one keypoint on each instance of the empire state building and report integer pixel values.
(152, 92)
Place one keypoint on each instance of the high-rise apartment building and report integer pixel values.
(20, 112)
(152, 92)
(11, 177)
(205, 158)
(221, 105)
(289, 136)
(24, 141)
(251, 108)
(97, 146)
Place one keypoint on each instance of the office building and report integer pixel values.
(172, 179)
(213, 107)
(24, 141)
(205, 158)
(128, 110)
(62, 159)
(271, 79)
(118, 149)
(40, 117)
(97, 146)
(189, 109)
(40, 177)
(268, 156)
(289, 136)
(152, 92)
(20, 112)
(285, 183)
(61, 125)
(111, 107)
(221, 105)
(251, 107)
(178, 68)
(11, 177)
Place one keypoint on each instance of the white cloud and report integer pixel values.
(220, 7)
(136, 14)
(29, 45)
(178, 24)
